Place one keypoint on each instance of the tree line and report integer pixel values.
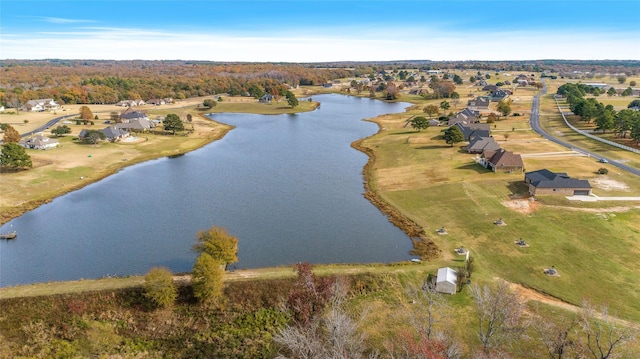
(106, 82)
(606, 118)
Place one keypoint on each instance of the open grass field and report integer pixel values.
(591, 245)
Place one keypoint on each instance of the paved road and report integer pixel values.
(535, 125)
(47, 125)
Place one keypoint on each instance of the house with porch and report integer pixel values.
(45, 104)
(39, 142)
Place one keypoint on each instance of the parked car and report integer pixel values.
(603, 160)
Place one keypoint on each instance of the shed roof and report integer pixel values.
(447, 274)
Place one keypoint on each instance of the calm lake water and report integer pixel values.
(289, 187)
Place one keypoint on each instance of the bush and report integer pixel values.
(159, 287)
(603, 171)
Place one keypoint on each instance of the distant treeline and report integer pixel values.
(110, 81)
(104, 82)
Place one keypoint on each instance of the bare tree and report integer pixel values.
(499, 311)
(428, 337)
(557, 337)
(334, 334)
(603, 337)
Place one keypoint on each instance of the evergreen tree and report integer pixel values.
(14, 156)
(453, 135)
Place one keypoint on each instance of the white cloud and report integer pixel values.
(127, 43)
(59, 20)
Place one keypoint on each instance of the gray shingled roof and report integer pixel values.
(547, 179)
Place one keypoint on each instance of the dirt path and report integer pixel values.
(531, 294)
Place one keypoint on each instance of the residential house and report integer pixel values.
(434, 122)
(499, 95)
(46, 104)
(131, 115)
(545, 182)
(490, 88)
(111, 133)
(465, 116)
(266, 98)
(481, 83)
(502, 160)
(39, 142)
(446, 281)
(327, 85)
(479, 103)
(156, 102)
(433, 72)
(479, 144)
(474, 129)
(130, 103)
(139, 125)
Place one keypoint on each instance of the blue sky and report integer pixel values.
(317, 31)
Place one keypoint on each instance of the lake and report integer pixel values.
(289, 187)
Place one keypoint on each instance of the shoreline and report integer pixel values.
(9, 214)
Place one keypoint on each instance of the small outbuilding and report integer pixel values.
(446, 281)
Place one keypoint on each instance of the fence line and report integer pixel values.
(584, 133)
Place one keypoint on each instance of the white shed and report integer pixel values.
(446, 281)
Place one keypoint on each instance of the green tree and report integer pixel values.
(419, 123)
(635, 131)
(453, 135)
(504, 107)
(632, 83)
(634, 103)
(627, 92)
(605, 120)
(14, 156)
(622, 79)
(455, 98)
(61, 130)
(217, 243)
(93, 136)
(206, 278)
(209, 103)
(291, 99)
(173, 123)
(11, 135)
(611, 92)
(431, 110)
(444, 106)
(159, 287)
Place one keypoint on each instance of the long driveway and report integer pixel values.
(535, 125)
(47, 125)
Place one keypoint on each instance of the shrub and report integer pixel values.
(159, 287)
(603, 171)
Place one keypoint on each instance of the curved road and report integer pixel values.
(535, 125)
(46, 125)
